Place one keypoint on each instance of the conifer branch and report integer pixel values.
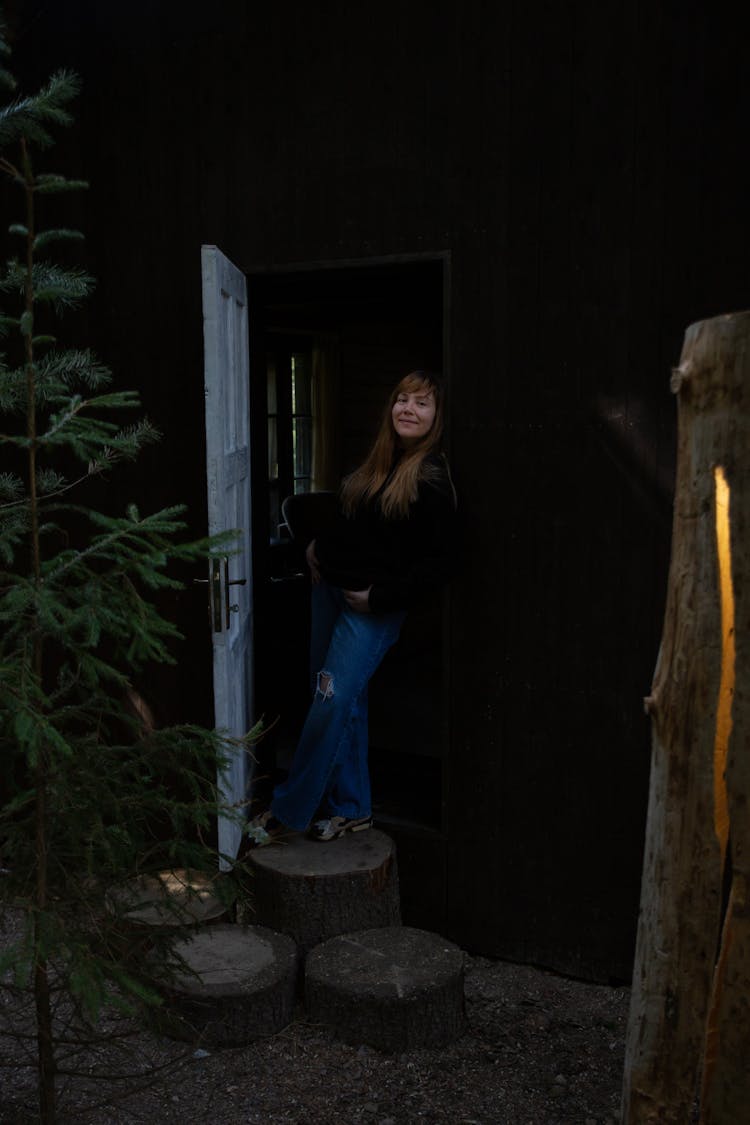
(95, 469)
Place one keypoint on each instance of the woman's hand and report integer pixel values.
(358, 600)
(312, 562)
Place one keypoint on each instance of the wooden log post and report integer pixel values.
(688, 1040)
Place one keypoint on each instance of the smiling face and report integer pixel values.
(413, 414)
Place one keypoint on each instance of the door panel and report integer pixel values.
(226, 359)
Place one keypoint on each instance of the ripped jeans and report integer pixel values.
(329, 770)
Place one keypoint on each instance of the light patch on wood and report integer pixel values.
(721, 746)
(726, 684)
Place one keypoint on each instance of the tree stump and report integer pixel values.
(313, 891)
(238, 986)
(690, 1010)
(395, 989)
(171, 898)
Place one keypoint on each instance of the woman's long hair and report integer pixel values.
(411, 467)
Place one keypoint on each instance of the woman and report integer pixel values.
(390, 547)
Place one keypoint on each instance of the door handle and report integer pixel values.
(218, 583)
(227, 583)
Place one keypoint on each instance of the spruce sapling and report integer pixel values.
(91, 797)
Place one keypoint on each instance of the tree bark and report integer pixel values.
(726, 1081)
(689, 1018)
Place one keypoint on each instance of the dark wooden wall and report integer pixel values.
(581, 163)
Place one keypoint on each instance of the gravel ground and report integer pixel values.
(539, 1049)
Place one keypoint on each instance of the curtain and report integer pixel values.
(325, 408)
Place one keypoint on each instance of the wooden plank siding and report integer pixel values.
(580, 164)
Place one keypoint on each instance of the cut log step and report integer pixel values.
(314, 891)
(394, 989)
(239, 986)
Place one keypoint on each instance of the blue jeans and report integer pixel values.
(329, 769)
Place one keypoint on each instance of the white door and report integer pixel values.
(226, 363)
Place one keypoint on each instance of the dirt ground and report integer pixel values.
(539, 1049)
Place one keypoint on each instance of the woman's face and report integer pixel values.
(413, 414)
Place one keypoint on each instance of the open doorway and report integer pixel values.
(327, 345)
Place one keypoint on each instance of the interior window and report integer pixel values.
(289, 403)
(274, 487)
(302, 420)
(302, 393)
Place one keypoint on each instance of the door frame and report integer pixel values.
(255, 275)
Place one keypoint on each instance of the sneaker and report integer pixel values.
(263, 829)
(333, 827)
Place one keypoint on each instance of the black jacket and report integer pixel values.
(404, 560)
